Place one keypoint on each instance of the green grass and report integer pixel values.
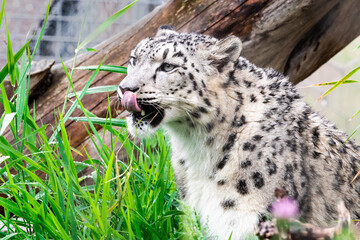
(132, 198)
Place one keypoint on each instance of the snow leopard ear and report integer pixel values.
(164, 30)
(224, 51)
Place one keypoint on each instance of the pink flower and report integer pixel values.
(285, 208)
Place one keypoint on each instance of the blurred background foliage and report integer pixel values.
(342, 103)
(64, 24)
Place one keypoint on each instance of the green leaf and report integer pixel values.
(106, 190)
(340, 82)
(10, 178)
(103, 26)
(9, 236)
(101, 121)
(4, 72)
(5, 100)
(74, 233)
(91, 50)
(356, 129)
(2, 11)
(101, 89)
(355, 114)
(107, 68)
(333, 83)
(42, 29)
(10, 56)
(6, 121)
(21, 96)
(170, 214)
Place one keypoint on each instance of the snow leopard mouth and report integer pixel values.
(149, 114)
(142, 111)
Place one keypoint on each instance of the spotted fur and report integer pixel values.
(238, 132)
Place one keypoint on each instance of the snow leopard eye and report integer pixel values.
(166, 67)
(132, 61)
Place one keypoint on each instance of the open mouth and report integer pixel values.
(142, 111)
(149, 113)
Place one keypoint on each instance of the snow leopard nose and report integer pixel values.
(124, 89)
(127, 85)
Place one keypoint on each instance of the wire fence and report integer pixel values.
(24, 17)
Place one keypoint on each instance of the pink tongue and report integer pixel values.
(129, 102)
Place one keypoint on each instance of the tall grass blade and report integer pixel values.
(100, 89)
(330, 83)
(5, 71)
(333, 83)
(90, 49)
(103, 26)
(9, 236)
(5, 100)
(42, 30)
(6, 121)
(106, 68)
(341, 81)
(355, 114)
(2, 11)
(10, 56)
(22, 97)
(106, 190)
(356, 129)
(101, 121)
(74, 232)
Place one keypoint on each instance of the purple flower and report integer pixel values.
(285, 208)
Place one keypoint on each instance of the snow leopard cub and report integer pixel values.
(237, 132)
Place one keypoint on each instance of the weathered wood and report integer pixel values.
(293, 36)
(40, 78)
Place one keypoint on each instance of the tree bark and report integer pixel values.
(292, 36)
